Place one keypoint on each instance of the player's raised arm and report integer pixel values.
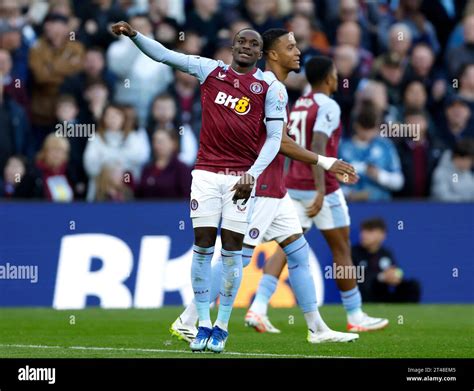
(199, 67)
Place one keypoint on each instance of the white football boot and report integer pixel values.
(261, 323)
(366, 323)
(183, 331)
(330, 336)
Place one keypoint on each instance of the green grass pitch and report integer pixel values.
(423, 331)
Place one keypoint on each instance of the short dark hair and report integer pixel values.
(317, 68)
(270, 36)
(419, 112)
(464, 148)
(367, 116)
(250, 29)
(373, 223)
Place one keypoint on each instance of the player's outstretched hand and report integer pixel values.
(344, 172)
(123, 28)
(243, 188)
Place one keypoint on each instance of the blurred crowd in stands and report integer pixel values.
(85, 115)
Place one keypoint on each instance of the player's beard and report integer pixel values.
(243, 64)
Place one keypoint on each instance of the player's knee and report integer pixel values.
(231, 241)
(341, 250)
(205, 236)
(286, 241)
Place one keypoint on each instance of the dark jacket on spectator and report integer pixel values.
(34, 184)
(418, 162)
(172, 182)
(15, 133)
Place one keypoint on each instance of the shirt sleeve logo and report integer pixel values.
(256, 88)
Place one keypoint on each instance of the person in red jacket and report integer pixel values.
(166, 176)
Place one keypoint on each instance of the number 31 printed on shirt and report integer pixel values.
(297, 126)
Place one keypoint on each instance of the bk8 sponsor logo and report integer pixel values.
(240, 105)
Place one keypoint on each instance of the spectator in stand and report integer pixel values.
(96, 96)
(414, 97)
(159, 12)
(208, 21)
(18, 42)
(376, 92)
(14, 88)
(166, 176)
(51, 169)
(350, 11)
(132, 125)
(455, 121)
(164, 116)
(400, 41)
(191, 43)
(52, 59)
(419, 155)
(111, 185)
(421, 67)
(15, 132)
(140, 78)
(114, 143)
(389, 70)
(375, 158)
(223, 52)
(258, 14)
(64, 7)
(13, 174)
(319, 40)
(94, 70)
(167, 33)
(408, 12)
(349, 33)
(384, 281)
(463, 54)
(443, 15)
(67, 115)
(96, 18)
(186, 94)
(466, 86)
(453, 179)
(301, 27)
(345, 60)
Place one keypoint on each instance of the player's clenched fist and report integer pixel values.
(123, 28)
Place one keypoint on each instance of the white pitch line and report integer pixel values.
(165, 351)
